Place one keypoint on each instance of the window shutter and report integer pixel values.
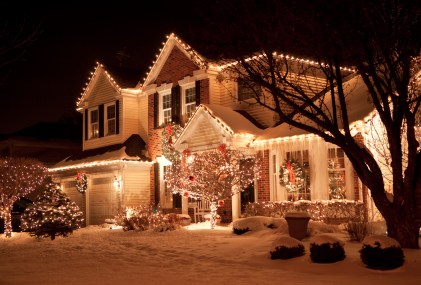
(86, 124)
(197, 92)
(101, 120)
(117, 117)
(156, 182)
(175, 104)
(155, 110)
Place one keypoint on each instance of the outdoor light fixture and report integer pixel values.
(117, 183)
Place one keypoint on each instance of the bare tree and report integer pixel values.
(18, 177)
(379, 39)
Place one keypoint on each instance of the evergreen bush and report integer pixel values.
(376, 254)
(326, 249)
(286, 247)
(52, 214)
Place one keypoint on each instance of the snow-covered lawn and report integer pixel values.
(191, 255)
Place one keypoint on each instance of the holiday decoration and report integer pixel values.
(292, 178)
(81, 182)
(52, 214)
(221, 203)
(169, 135)
(18, 177)
(337, 188)
(214, 176)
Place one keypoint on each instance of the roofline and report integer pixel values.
(96, 163)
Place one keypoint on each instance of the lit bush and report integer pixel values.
(381, 252)
(326, 249)
(286, 247)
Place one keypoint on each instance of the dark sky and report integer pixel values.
(46, 82)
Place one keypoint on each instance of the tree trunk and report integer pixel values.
(7, 213)
(404, 230)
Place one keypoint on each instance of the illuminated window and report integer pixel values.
(110, 119)
(166, 108)
(94, 123)
(295, 175)
(336, 173)
(190, 101)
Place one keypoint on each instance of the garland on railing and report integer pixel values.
(81, 182)
(326, 210)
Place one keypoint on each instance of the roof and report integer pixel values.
(132, 149)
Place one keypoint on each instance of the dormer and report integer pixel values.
(102, 104)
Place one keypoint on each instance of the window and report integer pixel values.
(166, 108)
(336, 173)
(111, 120)
(247, 90)
(190, 101)
(295, 175)
(94, 123)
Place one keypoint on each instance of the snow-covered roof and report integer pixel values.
(131, 150)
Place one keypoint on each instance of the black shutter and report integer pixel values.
(156, 182)
(86, 124)
(176, 200)
(175, 104)
(155, 110)
(197, 92)
(101, 120)
(117, 117)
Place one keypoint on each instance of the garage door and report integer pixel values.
(102, 200)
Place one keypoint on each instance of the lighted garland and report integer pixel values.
(169, 135)
(292, 176)
(81, 182)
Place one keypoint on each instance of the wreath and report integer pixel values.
(169, 135)
(81, 182)
(292, 176)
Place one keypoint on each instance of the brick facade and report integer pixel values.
(263, 185)
(176, 67)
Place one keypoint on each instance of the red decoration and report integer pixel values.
(191, 178)
(291, 172)
(221, 203)
(186, 194)
(222, 148)
(186, 152)
(78, 176)
(169, 130)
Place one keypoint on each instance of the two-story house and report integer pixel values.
(122, 153)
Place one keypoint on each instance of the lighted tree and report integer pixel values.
(214, 175)
(379, 39)
(52, 214)
(18, 177)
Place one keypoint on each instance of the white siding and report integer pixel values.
(130, 117)
(136, 187)
(143, 118)
(102, 92)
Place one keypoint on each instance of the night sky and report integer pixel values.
(46, 82)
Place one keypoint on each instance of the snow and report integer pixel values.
(383, 241)
(285, 241)
(325, 239)
(193, 254)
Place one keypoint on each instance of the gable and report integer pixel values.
(203, 133)
(175, 68)
(102, 91)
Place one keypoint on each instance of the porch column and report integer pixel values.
(236, 206)
(185, 205)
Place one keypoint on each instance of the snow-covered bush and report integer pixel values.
(146, 217)
(325, 248)
(381, 252)
(286, 247)
(244, 225)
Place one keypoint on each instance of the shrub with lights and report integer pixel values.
(18, 177)
(214, 175)
(52, 214)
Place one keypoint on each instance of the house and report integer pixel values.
(123, 157)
